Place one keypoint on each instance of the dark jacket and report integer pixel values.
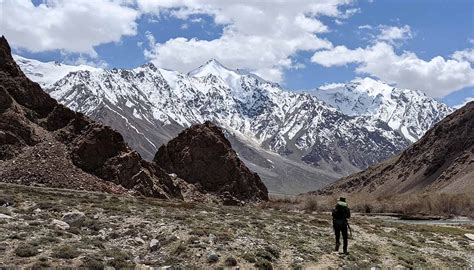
(341, 213)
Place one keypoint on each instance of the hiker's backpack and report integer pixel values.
(339, 212)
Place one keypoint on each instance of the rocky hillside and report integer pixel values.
(45, 143)
(442, 161)
(295, 142)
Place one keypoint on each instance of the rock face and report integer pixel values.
(201, 155)
(442, 160)
(45, 143)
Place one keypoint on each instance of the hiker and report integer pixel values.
(340, 214)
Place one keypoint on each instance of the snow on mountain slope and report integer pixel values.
(47, 73)
(410, 112)
(294, 141)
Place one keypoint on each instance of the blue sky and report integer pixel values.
(400, 42)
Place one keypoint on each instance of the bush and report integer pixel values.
(230, 261)
(26, 250)
(65, 252)
(263, 264)
(310, 204)
(120, 259)
(435, 204)
(92, 263)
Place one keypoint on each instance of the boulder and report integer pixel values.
(60, 224)
(212, 257)
(154, 245)
(75, 218)
(202, 155)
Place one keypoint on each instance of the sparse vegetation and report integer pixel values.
(284, 237)
(230, 261)
(65, 252)
(26, 250)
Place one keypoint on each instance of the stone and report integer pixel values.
(470, 236)
(3, 216)
(154, 244)
(212, 239)
(74, 218)
(212, 257)
(60, 224)
(139, 240)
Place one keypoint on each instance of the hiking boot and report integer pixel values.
(346, 252)
(337, 247)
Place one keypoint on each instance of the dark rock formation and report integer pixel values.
(201, 155)
(43, 142)
(442, 160)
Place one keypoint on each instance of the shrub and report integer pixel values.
(26, 250)
(65, 252)
(249, 257)
(120, 259)
(263, 264)
(310, 204)
(230, 261)
(92, 263)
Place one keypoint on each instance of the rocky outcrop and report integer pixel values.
(45, 143)
(201, 155)
(441, 161)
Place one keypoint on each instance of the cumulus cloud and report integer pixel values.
(436, 77)
(258, 35)
(393, 33)
(464, 55)
(72, 26)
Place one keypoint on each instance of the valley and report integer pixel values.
(38, 228)
(295, 141)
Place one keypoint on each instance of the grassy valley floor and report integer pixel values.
(124, 232)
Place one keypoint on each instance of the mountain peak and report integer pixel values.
(214, 62)
(212, 66)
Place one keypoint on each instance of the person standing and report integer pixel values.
(340, 214)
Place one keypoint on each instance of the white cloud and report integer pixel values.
(72, 26)
(258, 35)
(466, 101)
(365, 26)
(436, 77)
(464, 55)
(83, 60)
(392, 33)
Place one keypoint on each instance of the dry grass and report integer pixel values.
(434, 204)
(437, 204)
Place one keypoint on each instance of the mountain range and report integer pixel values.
(295, 141)
(441, 161)
(43, 143)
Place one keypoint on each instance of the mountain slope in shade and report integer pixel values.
(409, 112)
(442, 161)
(295, 142)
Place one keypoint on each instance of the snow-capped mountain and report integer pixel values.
(410, 112)
(48, 73)
(296, 142)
